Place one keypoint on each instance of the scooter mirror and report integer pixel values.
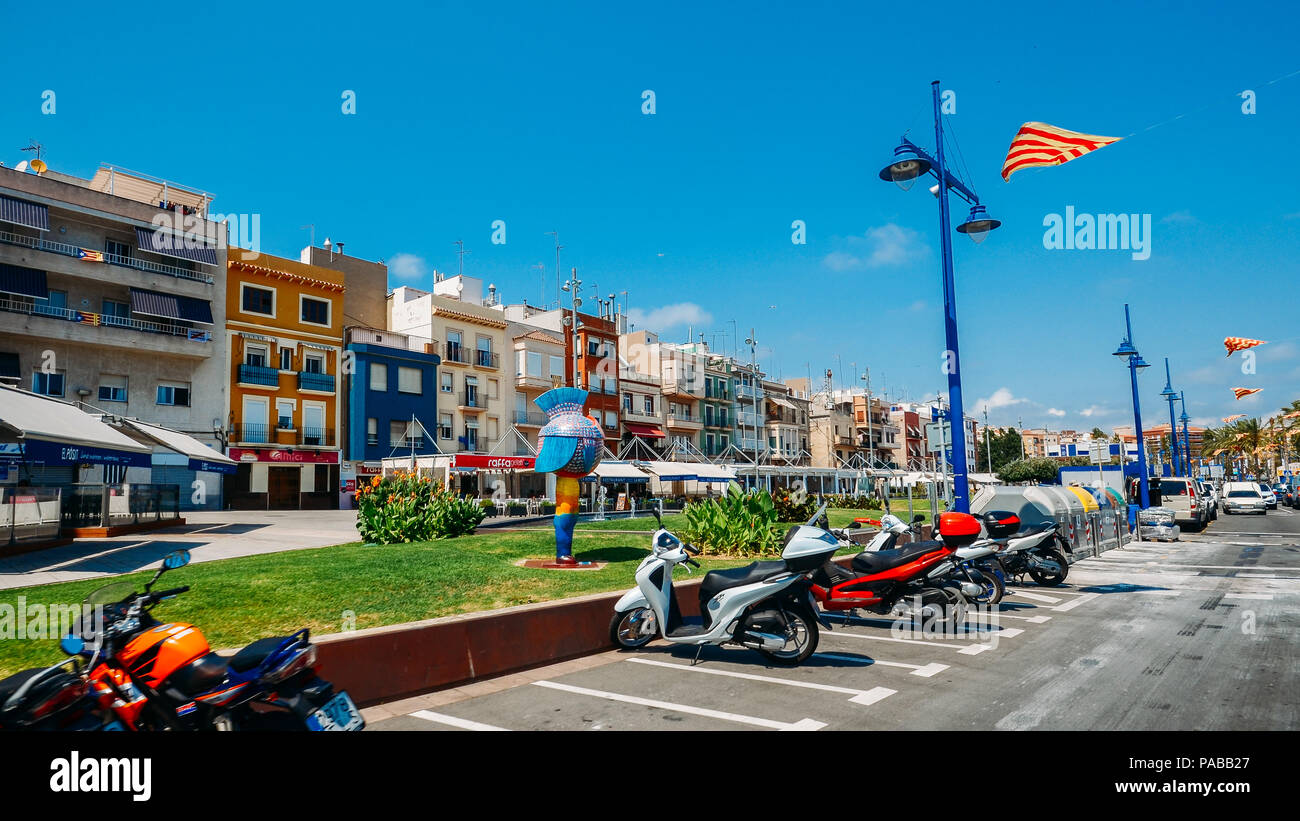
(72, 644)
(175, 559)
(917, 519)
(852, 525)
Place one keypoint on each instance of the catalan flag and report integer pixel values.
(1240, 343)
(90, 256)
(88, 318)
(1234, 417)
(1241, 392)
(1039, 144)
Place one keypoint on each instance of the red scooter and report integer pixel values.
(909, 581)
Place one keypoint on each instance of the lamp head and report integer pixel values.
(1141, 363)
(978, 224)
(1169, 393)
(906, 167)
(1184, 418)
(1126, 349)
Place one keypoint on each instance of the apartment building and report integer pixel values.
(112, 293)
(750, 410)
(911, 434)
(642, 416)
(786, 423)
(284, 327)
(473, 388)
(391, 391)
(681, 383)
(539, 360)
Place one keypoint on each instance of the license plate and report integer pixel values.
(338, 714)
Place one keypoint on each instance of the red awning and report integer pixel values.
(644, 430)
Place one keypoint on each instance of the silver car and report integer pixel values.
(1244, 500)
(1270, 498)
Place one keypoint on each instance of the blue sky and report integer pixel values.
(765, 114)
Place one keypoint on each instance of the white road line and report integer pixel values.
(1263, 576)
(1255, 596)
(462, 723)
(801, 724)
(1034, 596)
(859, 696)
(1073, 603)
(922, 670)
(1001, 615)
(964, 649)
(1157, 592)
(1008, 632)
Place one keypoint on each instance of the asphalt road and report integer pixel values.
(1201, 634)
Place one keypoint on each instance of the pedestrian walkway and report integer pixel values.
(208, 535)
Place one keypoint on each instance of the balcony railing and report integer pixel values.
(530, 418)
(20, 306)
(319, 437)
(455, 352)
(259, 375)
(472, 399)
(408, 442)
(308, 381)
(487, 359)
(747, 391)
(74, 251)
(252, 432)
(477, 444)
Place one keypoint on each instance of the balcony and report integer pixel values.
(533, 382)
(316, 437)
(407, 443)
(640, 416)
(747, 420)
(74, 251)
(64, 320)
(748, 391)
(258, 376)
(717, 422)
(487, 359)
(532, 418)
(475, 444)
(684, 421)
(309, 382)
(250, 433)
(455, 354)
(471, 401)
(681, 386)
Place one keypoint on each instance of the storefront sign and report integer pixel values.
(486, 462)
(286, 457)
(55, 453)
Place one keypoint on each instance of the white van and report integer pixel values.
(1243, 497)
(1183, 496)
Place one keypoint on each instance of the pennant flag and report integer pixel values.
(1240, 343)
(1240, 392)
(1234, 417)
(1291, 415)
(90, 256)
(1038, 144)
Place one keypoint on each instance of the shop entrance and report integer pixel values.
(283, 485)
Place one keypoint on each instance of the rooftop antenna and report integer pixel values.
(461, 252)
(312, 226)
(35, 146)
(558, 246)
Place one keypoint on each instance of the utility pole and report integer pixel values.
(558, 246)
(1020, 424)
(988, 445)
(752, 342)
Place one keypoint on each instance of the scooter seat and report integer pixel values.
(877, 561)
(715, 581)
(255, 653)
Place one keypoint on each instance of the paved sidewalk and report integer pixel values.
(208, 535)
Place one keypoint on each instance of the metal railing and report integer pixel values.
(487, 359)
(69, 250)
(30, 514)
(102, 320)
(530, 418)
(416, 442)
(454, 352)
(258, 375)
(309, 381)
(253, 432)
(319, 437)
(113, 505)
(472, 399)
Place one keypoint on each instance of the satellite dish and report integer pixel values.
(39, 166)
(21, 166)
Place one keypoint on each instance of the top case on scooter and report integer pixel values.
(1000, 523)
(958, 529)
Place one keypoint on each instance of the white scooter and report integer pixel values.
(766, 606)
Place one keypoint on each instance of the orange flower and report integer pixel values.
(375, 481)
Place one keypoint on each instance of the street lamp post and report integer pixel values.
(910, 162)
(1171, 396)
(1187, 439)
(575, 285)
(1135, 362)
(752, 342)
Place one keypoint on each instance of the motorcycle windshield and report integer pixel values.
(110, 594)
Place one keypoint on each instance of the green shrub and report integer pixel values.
(737, 523)
(788, 509)
(406, 507)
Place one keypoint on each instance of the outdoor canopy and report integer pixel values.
(619, 473)
(200, 455)
(673, 471)
(57, 433)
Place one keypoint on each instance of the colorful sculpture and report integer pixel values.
(569, 446)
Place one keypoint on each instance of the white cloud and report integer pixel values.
(918, 306)
(1179, 217)
(670, 316)
(882, 246)
(1001, 398)
(407, 266)
(1055, 412)
(1096, 410)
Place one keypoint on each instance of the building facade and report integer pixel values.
(391, 391)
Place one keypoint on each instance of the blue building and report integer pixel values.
(392, 400)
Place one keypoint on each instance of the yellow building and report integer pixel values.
(284, 321)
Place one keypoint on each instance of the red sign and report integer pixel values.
(329, 457)
(349, 485)
(476, 460)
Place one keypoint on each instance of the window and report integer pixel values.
(611, 420)
(453, 346)
(593, 347)
(372, 431)
(112, 388)
(113, 312)
(174, 394)
(286, 359)
(484, 352)
(471, 392)
(256, 355)
(627, 402)
(534, 364)
(410, 380)
(315, 311)
(284, 414)
(405, 434)
(494, 388)
(313, 424)
(257, 300)
(117, 249)
(49, 384)
(444, 380)
(444, 426)
(55, 304)
(378, 376)
(557, 366)
(649, 405)
(313, 363)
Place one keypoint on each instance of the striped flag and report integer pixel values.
(1291, 415)
(1038, 144)
(1234, 417)
(1240, 392)
(1240, 343)
(90, 256)
(88, 318)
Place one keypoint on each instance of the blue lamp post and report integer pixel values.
(1171, 396)
(910, 163)
(1187, 438)
(1135, 361)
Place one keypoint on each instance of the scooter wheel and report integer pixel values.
(801, 641)
(633, 629)
(1049, 579)
(994, 589)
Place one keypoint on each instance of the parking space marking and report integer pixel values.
(922, 670)
(1073, 603)
(1035, 596)
(1159, 592)
(1255, 596)
(801, 724)
(461, 723)
(1001, 615)
(1006, 632)
(859, 696)
(964, 649)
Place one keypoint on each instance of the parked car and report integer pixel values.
(1269, 496)
(1210, 499)
(1285, 494)
(1243, 497)
(1183, 496)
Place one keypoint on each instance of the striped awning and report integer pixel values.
(173, 245)
(22, 212)
(171, 306)
(23, 281)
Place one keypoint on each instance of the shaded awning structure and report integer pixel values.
(673, 471)
(706, 472)
(201, 457)
(170, 306)
(636, 429)
(56, 433)
(617, 473)
(19, 281)
(164, 242)
(24, 213)
(783, 403)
